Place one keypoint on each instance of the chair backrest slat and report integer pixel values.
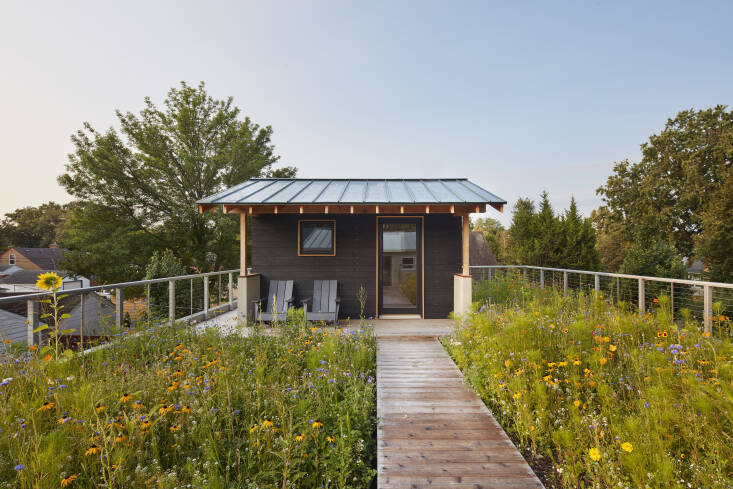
(332, 296)
(271, 294)
(287, 295)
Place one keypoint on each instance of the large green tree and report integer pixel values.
(34, 227)
(578, 247)
(146, 177)
(682, 168)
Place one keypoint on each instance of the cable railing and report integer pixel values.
(92, 314)
(702, 300)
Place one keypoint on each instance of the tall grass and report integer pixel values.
(610, 397)
(172, 407)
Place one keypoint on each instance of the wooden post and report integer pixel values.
(243, 244)
(565, 283)
(542, 279)
(466, 238)
(230, 290)
(172, 301)
(642, 297)
(598, 284)
(206, 296)
(119, 300)
(707, 308)
(32, 322)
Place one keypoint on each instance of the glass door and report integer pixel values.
(400, 270)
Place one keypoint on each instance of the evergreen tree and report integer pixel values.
(548, 237)
(522, 233)
(578, 251)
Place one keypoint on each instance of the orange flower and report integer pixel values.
(47, 406)
(66, 481)
(125, 398)
(93, 450)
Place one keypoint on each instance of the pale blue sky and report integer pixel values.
(517, 96)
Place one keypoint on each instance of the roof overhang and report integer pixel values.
(363, 196)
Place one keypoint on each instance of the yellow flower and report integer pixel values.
(47, 406)
(268, 424)
(594, 454)
(627, 447)
(299, 437)
(253, 429)
(603, 360)
(317, 424)
(33, 348)
(576, 403)
(7, 342)
(93, 450)
(145, 425)
(120, 438)
(66, 481)
(49, 281)
(517, 395)
(330, 439)
(562, 364)
(507, 363)
(126, 398)
(174, 428)
(612, 347)
(577, 362)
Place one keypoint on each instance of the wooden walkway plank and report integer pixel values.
(433, 431)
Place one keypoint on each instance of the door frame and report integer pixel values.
(420, 250)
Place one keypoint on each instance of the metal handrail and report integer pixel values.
(121, 285)
(700, 283)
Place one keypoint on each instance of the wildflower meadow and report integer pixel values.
(171, 406)
(598, 395)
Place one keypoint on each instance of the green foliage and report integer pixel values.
(175, 407)
(681, 170)
(565, 375)
(164, 264)
(715, 243)
(408, 286)
(613, 240)
(148, 176)
(650, 255)
(543, 238)
(34, 227)
(495, 235)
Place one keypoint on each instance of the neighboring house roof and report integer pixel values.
(46, 258)
(27, 277)
(12, 327)
(354, 191)
(9, 269)
(479, 251)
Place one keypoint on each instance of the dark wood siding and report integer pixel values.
(274, 254)
(442, 261)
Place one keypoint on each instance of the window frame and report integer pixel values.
(332, 222)
(11, 259)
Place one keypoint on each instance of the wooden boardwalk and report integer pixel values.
(433, 431)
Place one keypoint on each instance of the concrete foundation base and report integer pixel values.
(462, 294)
(248, 289)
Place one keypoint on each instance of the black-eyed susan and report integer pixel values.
(47, 406)
(93, 450)
(99, 408)
(330, 439)
(267, 424)
(300, 437)
(253, 429)
(174, 428)
(316, 424)
(125, 398)
(67, 481)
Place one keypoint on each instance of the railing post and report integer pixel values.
(218, 297)
(118, 307)
(618, 289)
(597, 284)
(147, 298)
(230, 290)
(206, 296)
(642, 297)
(172, 301)
(524, 273)
(671, 298)
(565, 283)
(542, 278)
(32, 313)
(707, 308)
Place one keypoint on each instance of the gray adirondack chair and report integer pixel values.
(324, 304)
(282, 291)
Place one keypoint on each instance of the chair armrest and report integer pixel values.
(307, 299)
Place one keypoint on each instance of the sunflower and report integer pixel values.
(49, 281)
(66, 481)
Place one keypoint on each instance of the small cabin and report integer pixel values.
(404, 242)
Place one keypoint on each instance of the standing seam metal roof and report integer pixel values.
(354, 191)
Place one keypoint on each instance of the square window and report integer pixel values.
(317, 238)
